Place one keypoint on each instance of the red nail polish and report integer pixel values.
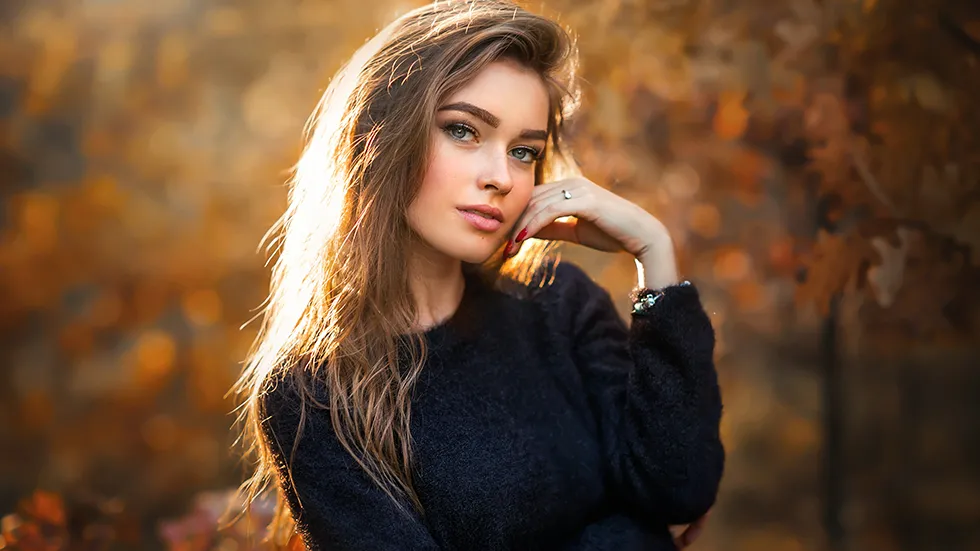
(521, 235)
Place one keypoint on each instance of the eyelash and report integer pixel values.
(449, 127)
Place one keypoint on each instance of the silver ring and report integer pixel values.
(566, 194)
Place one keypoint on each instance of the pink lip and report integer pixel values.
(489, 210)
(479, 222)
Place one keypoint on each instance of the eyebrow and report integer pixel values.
(491, 119)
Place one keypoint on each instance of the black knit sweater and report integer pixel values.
(541, 422)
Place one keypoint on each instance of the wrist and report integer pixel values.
(656, 238)
(656, 264)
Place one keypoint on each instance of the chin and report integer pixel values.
(474, 256)
(473, 253)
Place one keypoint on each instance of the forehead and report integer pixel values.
(515, 94)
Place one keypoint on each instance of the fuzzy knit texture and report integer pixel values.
(542, 422)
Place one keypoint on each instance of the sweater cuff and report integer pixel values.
(645, 299)
(677, 330)
(675, 314)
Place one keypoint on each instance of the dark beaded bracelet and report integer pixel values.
(645, 298)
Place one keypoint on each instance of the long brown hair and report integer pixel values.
(340, 299)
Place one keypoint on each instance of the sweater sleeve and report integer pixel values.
(335, 504)
(619, 532)
(654, 393)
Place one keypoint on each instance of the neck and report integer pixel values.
(437, 284)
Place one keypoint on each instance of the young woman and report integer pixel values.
(428, 375)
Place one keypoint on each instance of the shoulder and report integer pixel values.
(571, 286)
(283, 407)
(279, 407)
(569, 298)
(571, 277)
(551, 277)
(278, 396)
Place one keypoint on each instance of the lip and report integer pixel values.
(479, 222)
(485, 209)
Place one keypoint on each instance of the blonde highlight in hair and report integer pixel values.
(340, 303)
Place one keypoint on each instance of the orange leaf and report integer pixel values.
(732, 118)
(732, 265)
(792, 94)
(781, 256)
(47, 507)
(705, 220)
(749, 296)
(154, 354)
(39, 220)
(202, 307)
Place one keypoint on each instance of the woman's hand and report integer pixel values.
(602, 219)
(685, 534)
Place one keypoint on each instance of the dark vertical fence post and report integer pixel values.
(833, 428)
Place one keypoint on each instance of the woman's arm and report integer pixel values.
(654, 393)
(653, 387)
(620, 532)
(335, 504)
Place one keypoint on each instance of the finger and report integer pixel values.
(556, 190)
(522, 228)
(677, 530)
(694, 529)
(545, 195)
(544, 200)
(539, 205)
(691, 534)
(514, 230)
(542, 216)
(564, 183)
(559, 230)
(547, 212)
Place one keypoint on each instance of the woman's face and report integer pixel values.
(485, 143)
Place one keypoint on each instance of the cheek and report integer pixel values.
(436, 190)
(440, 172)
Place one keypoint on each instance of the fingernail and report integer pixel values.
(521, 235)
(507, 248)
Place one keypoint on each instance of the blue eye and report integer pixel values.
(458, 131)
(530, 154)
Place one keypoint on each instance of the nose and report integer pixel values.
(495, 174)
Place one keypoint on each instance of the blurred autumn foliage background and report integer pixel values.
(816, 161)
